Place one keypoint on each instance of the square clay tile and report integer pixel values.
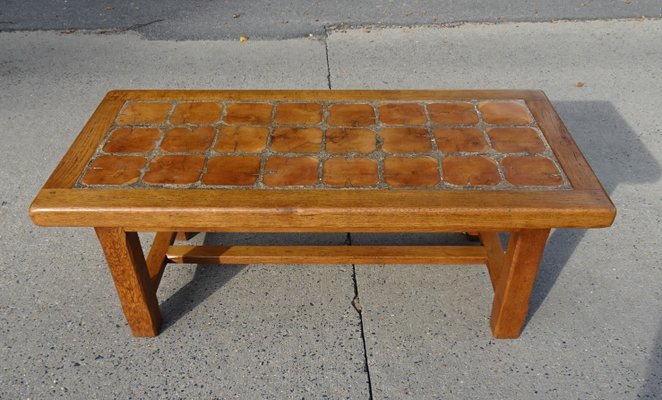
(232, 170)
(350, 140)
(131, 140)
(451, 140)
(470, 171)
(406, 140)
(298, 114)
(350, 172)
(144, 114)
(531, 171)
(515, 140)
(411, 172)
(196, 113)
(504, 113)
(248, 114)
(351, 115)
(184, 140)
(245, 139)
(459, 113)
(290, 171)
(296, 140)
(175, 169)
(402, 114)
(114, 170)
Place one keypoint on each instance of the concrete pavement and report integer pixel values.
(595, 328)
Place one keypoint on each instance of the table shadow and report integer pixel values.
(208, 278)
(616, 154)
(652, 388)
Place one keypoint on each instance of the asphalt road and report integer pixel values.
(223, 19)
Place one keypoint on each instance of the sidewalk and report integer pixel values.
(595, 327)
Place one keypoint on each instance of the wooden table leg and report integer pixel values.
(472, 236)
(184, 236)
(127, 264)
(515, 282)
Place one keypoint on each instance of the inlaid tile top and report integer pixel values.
(408, 144)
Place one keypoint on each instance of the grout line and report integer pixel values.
(326, 50)
(356, 303)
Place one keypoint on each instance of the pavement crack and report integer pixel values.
(138, 26)
(133, 27)
(328, 65)
(356, 303)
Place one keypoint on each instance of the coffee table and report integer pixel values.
(481, 162)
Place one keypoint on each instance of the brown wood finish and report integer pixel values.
(134, 286)
(572, 160)
(311, 95)
(327, 254)
(515, 282)
(184, 236)
(67, 171)
(495, 255)
(148, 201)
(472, 236)
(156, 260)
(315, 210)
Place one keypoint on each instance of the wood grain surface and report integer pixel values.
(327, 254)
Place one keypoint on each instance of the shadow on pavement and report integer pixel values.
(616, 154)
(652, 388)
(207, 279)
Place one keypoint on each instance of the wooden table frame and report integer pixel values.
(117, 215)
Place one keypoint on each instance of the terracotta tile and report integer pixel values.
(460, 139)
(188, 140)
(504, 113)
(144, 113)
(351, 115)
(290, 171)
(248, 114)
(232, 170)
(514, 140)
(114, 170)
(175, 169)
(459, 113)
(405, 140)
(242, 138)
(350, 172)
(531, 171)
(296, 140)
(411, 172)
(402, 114)
(196, 113)
(350, 140)
(470, 171)
(132, 140)
(298, 114)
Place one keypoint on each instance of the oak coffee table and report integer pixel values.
(324, 161)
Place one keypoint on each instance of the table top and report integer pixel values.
(145, 152)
